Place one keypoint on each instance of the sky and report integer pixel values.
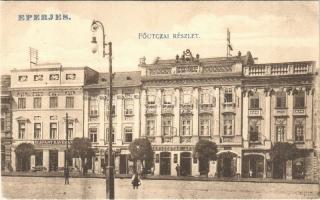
(271, 31)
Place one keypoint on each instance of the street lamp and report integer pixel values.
(109, 169)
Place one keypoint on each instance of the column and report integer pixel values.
(239, 165)
(310, 118)
(289, 170)
(158, 120)
(195, 120)
(46, 158)
(264, 167)
(195, 168)
(245, 121)
(61, 159)
(143, 112)
(157, 165)
(13, 159)
(176, 120)
(136, 117)
(216, 117)
(289, 120)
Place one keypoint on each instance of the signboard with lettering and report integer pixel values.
(53, 142)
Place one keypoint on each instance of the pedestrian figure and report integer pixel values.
(66, 176)
(250, 173)
(135, 181)
(178, 169)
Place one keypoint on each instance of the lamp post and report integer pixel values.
(109, 169)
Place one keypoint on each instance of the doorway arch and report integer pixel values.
(227, 164)
(165, 163)
(185, 163)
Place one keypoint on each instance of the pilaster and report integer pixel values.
(216, 116)
(267, 118)
(176, 120)
(117, 120)
(289, 122)
(46, 158)
(195, 119)
(143, 112)
(137, 114)
(158, 121)
(245, 120)
(61, 159)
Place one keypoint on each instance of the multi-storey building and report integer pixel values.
(125, 122)
(5, 123)
(41, 97)
(243, 107)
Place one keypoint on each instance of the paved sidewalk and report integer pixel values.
(150, 177)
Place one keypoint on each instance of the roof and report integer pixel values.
(121, 79)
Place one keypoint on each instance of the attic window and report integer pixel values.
(129, 78)
(103, 79)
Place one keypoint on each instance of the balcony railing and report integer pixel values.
(186, 108)
(229, 107)
(151, 109)
(299, 111)
(254, 112)
(276, 69)
(280, 111)
(167, 139)
(167, 108)
(205, 108)
(185, 139)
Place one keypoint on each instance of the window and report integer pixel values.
(205, 98)
(37, 102)
(151, 99)
(128, 107)
(112, 135)
(186, 125)
(204, 126)
(254, 130)
(186, 99)
(299, 124)
(281, 100)
(280, 133)
(299, 100)
(167, 125)
(228, 95)
(69, 102)
(70, 129)
(21, 103)
(93, 133)
(53, 130)
(254, 102)
(37, 130)
(167, 99)
(53, 102)
(128, 134)
(228, 125)
(93, 106)
(151, 127)
(22, 130)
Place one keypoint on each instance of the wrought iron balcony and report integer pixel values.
(280, 111)
(151, 109)
(167, 108)
(186, 108)
(185, 139)
(299, 111)
(254, 112)
(205, 108)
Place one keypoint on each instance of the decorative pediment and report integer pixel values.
(22, 119)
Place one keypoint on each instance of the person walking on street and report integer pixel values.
(66, 176)
(135, 181)
(178, 169)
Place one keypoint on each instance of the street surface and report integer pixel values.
(94, 188)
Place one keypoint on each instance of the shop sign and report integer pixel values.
(173, 148)
(52, 142)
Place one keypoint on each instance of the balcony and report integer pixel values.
(299, 111)
(254, 113)
(229, 107)
(167, 139)
(151, 109)
(206, 108)
(128, 112)
(167, 109)
(280, 111)
(186, 108)
(231, 140)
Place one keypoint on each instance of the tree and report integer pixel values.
(205, 151)
(283, 151)
(24, 151)
(141, 150)
(81, 147)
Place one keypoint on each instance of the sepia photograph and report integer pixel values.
(160, 100)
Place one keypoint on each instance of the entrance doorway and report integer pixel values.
(53, 160)
(123, 168)
(227, 164)
(278, 169)
(185, 164)
(38, 158)
(253, 166)
(165, 163)
(23, 163)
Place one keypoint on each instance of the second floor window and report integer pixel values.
(93, 134)
(254, 102)
(299, 124)
(21, 103)
(280, 133)
(151, 99)
(151, 127)
(69, 102)
(112, 135)
(254, 130)
(70, 129)
(299, 100)
(53, 131)
(186, 125)
(228, 125)
(37, 130)
(22, 130)
(281, 100)
(53, 102)
(37, 102)
(186, 99)
(228, 96)
(205, 98)
(93, 105)
(167, 99)
(204, 126)
(128, 134)
(128, 107)
(166, 125)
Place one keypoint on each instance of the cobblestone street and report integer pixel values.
(94, 188)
